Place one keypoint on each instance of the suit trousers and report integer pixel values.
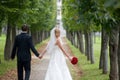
(21, 66)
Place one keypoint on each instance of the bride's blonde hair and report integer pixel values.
(57, 30)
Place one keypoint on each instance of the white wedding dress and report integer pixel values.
(57, 68)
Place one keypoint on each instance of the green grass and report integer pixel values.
(42, 43)
(5, 65)
(90, 71)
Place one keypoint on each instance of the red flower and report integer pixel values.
(74, 60)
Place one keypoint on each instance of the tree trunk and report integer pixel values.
(87, 45)
(13, 34)
(8, 43)
(119, 55)
(34, 37)
(43, 35)
(68, 35)
(91, 48)
(73, 38)
(48, 34)
(101, 58)
(103, 64)
(37, 37)
(94, 37)
(113, 46)
(0, 30)
(80, 41)
(40, 36)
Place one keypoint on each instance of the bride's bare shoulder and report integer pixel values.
(59, 41)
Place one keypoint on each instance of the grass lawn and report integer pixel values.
(90, 71)
(5, 65)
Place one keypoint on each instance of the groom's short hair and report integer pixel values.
(25, 27)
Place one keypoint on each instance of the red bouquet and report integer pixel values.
(74, 60)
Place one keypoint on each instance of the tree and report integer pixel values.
(104, 13)
(77, 19)
(36, 13)
(104, 52)
(113, 7)
(11, 11)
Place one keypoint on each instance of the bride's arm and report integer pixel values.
(60, 46)
(43, 52)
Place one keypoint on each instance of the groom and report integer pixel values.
(22, 45)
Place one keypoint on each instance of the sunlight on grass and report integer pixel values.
(2, 43)
(90, 71)
(42, 43)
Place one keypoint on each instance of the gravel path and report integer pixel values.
(39, 68)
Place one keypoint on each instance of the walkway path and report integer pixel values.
(39, 67)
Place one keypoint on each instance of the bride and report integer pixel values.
(57, 69)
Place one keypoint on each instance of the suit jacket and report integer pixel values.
(22, 45)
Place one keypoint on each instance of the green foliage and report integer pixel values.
(44, 16)
(112, 3)
(89, 14)
(39, 14)
(70, 15)
(80, 14)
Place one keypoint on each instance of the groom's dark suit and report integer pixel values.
(22, 45)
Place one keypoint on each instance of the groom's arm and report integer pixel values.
(32, 47)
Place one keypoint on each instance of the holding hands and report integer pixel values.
(40, 56)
